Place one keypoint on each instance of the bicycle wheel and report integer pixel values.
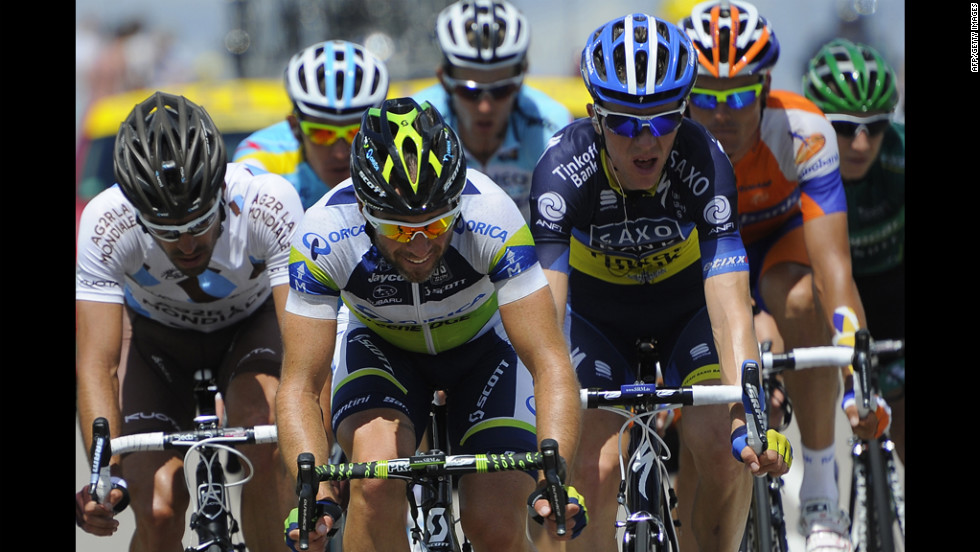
(874, 509)
(765, 529)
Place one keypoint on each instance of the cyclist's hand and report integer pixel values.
(872, 426)
(325, 528)
(776, 459)
(575, 511)
(96, 518)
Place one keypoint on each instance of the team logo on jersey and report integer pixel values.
(718, 210)
(810, 146)
(551, 206)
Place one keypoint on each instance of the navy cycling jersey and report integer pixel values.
(619, 242)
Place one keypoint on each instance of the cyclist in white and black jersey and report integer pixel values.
(440, 275)
(504, 126)
(182, 266)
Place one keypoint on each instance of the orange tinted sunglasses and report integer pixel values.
(323, 134)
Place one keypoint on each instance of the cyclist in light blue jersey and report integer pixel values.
(331, 84)
(504, 125)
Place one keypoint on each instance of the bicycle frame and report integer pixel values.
(212, 520)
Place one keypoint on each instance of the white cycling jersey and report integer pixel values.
(490, 261)
(118, 261)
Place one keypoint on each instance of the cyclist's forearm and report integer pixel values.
(307, 350)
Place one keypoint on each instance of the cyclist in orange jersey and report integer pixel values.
(793, 217)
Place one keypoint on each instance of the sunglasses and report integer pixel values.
(404, 232)
(847, 126)
(196, 227)
(323, 134)
(473, 91)
(630, 126)
(735, 98)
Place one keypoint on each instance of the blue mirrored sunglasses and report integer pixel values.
(630, 125)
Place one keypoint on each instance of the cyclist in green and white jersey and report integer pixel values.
(441, 277)
(856, 88)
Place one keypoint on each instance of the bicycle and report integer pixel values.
(646, 496)
(874, 476)
(212, 520)
(765, 527)
(434, 471)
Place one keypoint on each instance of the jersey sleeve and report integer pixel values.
(557, 187)
(273, 217)
(108, 234)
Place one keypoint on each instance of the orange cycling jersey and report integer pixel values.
(793, 168)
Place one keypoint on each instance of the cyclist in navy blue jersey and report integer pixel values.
(634, 217)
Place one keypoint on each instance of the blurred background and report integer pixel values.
(127, 44)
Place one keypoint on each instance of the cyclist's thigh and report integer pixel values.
(374, 374)
(257, 346)
(690, 352)
(249, 372)
(490, 396)
(157, 387)
(598, 361)
(785, 246)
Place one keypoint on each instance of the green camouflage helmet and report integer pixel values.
(845, 76)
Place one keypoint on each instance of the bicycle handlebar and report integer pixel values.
(425, 465)
(862, 357)
(162, 441)
(662, 397)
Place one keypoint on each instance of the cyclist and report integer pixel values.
(856, 88)
(439, 272)
(633, 217)
(181, 267)
(503, 125)
(793, 216)
(331, 84)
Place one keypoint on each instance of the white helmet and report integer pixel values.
(336, 80)
(483, 34)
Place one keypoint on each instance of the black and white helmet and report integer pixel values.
(169, 158)
(336, 80)
(483, 34)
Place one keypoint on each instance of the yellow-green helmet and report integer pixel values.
(406, 160)
(849, 77)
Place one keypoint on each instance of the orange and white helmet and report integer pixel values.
(731, 38)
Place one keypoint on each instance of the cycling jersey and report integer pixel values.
(637, 259)
(276, 149)
(780, 178)
(876, 209)
(119, 262)
(533, 121)
(490, 261)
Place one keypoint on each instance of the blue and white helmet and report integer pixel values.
(640, 61)
(336, 80)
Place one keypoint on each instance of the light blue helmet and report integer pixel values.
(640, 61)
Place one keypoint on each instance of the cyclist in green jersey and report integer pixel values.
(856, 89)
